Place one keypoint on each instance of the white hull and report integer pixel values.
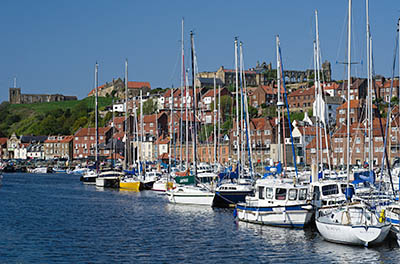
(186, 195)
(353, 235)
(276, 216)
(40, 170)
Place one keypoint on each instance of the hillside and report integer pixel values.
(54, 118)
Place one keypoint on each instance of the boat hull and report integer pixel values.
(205, 198)
(225, 199)
(296, 216)
(360, 235)
(133, 186)
(162, 186)
(109, 182)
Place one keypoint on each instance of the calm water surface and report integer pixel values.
(53, 218)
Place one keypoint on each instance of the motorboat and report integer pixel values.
(190, 194)
(109, 179)
(277, 202)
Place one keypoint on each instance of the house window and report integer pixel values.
(267, 132)
(258, 133)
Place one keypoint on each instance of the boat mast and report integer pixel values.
(171, 101)
(280, 103)
(141, 133)
(219, 123)
(126, 162)
(194, 105)
(319, 110)
(112, 138)
(215, 120)
(237, 106)
(348, 92)
(369, 93)
(316, 106)
(187, 121)
(181, 106)
(96, 78)
(241, 108)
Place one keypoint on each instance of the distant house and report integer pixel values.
(84, 142)
(58, 147)
(117, 89)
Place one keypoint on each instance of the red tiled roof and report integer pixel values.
(85, 131)
(3, 141)
(298, 92)
(313, 144)
(210, 93)
(353, 104)
(271, 90)
(138, 85)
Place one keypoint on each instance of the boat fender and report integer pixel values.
(382, 216)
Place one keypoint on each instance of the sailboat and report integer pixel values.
(192, 194)
(230, 192)
(89, 176)
(352, 224)
(128, 181)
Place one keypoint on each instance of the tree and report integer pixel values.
(150, 107)
(253, 112)
(226, 107)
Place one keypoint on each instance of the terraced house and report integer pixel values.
(58, 147)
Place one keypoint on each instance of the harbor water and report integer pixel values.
(54, 218)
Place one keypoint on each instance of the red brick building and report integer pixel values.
(85, 142)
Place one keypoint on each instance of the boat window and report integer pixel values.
(303, 194)
(292, 194)
(270, 193)
(330, 189)
(261, 192)
(280, 194)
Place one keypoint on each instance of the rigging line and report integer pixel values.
(176, 65)
(389, 111)
(379, 116)
(341, 39)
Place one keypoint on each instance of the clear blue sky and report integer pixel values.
(52, 46)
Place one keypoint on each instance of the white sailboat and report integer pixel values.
(352, 224)
(231, 192)
(198, 195)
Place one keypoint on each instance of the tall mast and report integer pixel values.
(348, 92)
(112, 138)
(241, 106)
(280, 103)
(187, 121)
(194, 105)
(369, 91)
(182, 84)
(126, 153)
(96, 78)
(219, 122)
(319, 110)
(141, 132)
(316, 105)
(215, 120)
(171, 102)
(237, 105)
(15, 81)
